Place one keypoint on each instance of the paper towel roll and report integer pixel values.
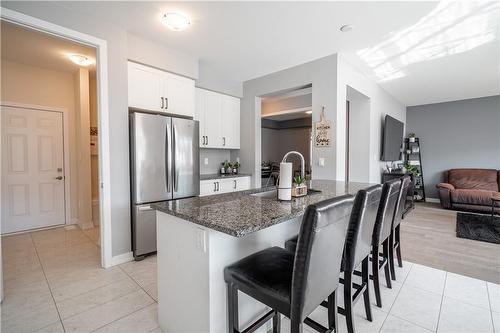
(285, 181)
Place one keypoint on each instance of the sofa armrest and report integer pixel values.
(444, 194)
(445, 186)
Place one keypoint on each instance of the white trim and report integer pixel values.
(66, 152)
(289, 111)
(74, 220)
(122, 258)
(103, 114)
(436, 200)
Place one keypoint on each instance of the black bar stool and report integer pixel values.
(395, 240)
(382, 234)
(295, 284)
(357, 249)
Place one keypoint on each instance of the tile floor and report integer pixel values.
(53, 283)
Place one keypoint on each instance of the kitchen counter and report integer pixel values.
(198, 237)
(240, 213)
(219, 176)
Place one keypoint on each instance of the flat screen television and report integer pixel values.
(392, 139)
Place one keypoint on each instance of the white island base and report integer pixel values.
(192, 295)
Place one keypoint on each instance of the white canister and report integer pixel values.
(285, 181)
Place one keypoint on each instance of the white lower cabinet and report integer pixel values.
(225, 185)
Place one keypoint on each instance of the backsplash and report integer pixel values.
(215, 158)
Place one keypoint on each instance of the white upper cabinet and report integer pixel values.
(156, 90)
(219, 117)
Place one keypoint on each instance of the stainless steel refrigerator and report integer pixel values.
(164, 162)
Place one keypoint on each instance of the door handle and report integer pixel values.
(204, 140)
(59, 178)
(168, 161)
(162, 102)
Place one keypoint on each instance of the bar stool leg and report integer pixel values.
(375, 272)
(277, 322)
(391, 255)
(333, 318)
(398, 249)
(385, 253)
(232, 308)
(366, 294)
(348, 306)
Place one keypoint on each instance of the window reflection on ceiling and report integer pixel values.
(452, 27)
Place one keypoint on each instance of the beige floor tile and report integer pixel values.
(143, 272)
(158, 330)
(88, 300)
(152, 290)
(13, 305)
(459, 317)
(14, 271)
(53, 328)
(34, 319)
(104, 314)
(24, 279)
(144, 320)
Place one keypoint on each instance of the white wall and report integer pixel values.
(37, 86)
(381, 103)
(359, 144)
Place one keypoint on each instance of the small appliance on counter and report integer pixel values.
(164, 165)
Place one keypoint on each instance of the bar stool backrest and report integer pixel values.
(360, 230)
(320, 244)
(385, 213)
(405, 184)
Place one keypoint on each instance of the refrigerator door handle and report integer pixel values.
(167, 156)
(174, 151)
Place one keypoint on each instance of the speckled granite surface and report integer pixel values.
(219, 176)
(239, 213)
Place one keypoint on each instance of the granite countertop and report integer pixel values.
(239, 213)
(219, 176)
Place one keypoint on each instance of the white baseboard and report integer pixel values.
(121, 259)
(86, 225)
(73, 220)
(435, 200)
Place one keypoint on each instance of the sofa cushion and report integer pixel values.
(472, 197)
(477, 179)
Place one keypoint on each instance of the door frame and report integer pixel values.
(67, 176)
(100, 45)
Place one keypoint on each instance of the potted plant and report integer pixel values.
(412, 169)
(411, 137)
(299, 187)
(226, 167)
(236, 166)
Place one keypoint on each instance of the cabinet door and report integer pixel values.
(179, 94)
(242, 183)
(200, 114)
(213, 121)
(227, 185)
(144, 87)
(230, 122)
(208, 187)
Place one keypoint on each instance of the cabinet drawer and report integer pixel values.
(226, 185)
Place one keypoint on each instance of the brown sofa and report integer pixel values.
(469, 189)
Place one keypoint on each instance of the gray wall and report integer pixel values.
(460, 134)
(322, 74)
(277, 142)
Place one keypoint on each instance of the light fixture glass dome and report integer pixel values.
(80, 60)
(176, 21)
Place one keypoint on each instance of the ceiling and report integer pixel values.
(40, 50)
(420, 52)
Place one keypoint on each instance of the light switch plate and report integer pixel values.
(206, 161)
(321, 161)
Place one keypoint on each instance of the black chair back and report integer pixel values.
(318, 256)
(385, 213)
(360, 230)
(405, 185)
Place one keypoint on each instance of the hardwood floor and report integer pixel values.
(428, 238)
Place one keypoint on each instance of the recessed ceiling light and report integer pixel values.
(176, 21)
(80, 59)
(346, 28)
(309, 112)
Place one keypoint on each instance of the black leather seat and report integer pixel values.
(357, 249)
(395, 240)
(295, 284)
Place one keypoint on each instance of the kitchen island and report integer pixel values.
(198, 237)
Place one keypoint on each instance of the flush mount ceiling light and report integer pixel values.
(309, 112)
(346, 28)
(80, 59)
(175, 21)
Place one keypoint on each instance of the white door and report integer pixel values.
(145, 88)
(179, 92)
(32, 169)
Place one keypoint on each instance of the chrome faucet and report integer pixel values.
(302, 162)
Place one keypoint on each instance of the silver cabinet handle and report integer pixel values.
(162, 102)
(215, 186)
(166, 103)
(224, 141)
(234, 184)
(59, 178)
(176, 170)
(207, 140)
